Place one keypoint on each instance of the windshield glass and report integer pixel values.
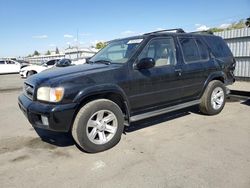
(117, 51)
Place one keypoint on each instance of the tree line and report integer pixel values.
(36, 53)
(235, 25)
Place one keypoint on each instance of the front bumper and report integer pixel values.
(59, 116)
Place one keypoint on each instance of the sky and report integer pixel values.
(29, 25)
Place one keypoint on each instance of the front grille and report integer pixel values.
(28, 90)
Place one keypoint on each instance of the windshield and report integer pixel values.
(117, 51)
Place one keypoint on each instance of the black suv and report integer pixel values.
(130, 79)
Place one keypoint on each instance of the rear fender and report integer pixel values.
(215, 76)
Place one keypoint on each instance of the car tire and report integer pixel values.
(30, 73)
(213, 99)
(98, 126)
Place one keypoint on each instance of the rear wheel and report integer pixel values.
(213, 99)
(98, 126)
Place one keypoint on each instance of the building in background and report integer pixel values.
(44, 58)
(238, 41)
(72, 53)
(75, 53)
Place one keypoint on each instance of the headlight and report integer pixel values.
(50, 94)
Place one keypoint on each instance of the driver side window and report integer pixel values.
(162, 50)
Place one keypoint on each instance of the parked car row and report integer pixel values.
(25, 69)
(34, 69)
(12, 66)
(9, 66)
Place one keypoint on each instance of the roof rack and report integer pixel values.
(177, 30)
(202, 32)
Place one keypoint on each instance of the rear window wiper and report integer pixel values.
(107, 62)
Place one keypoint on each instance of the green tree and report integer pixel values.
(215, 29)
(57, 51)
(48, 53)
(100, 45)
(36, 53)
(235, 25)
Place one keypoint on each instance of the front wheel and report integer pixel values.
(213, 99)
(98, 126)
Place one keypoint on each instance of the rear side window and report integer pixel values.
(202, 50)
(194, 50)
(190, 49)
(218, 46)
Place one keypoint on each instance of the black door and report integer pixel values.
(195, 59)
(157, 86)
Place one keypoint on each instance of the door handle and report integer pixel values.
(178, 71)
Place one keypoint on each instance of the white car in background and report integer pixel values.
(78, 61)
(34, 69)
(9, 66)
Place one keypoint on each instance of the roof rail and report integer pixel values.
(202, 32)
(177, 30)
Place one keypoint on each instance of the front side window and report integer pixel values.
(117, 51)
(162, 50)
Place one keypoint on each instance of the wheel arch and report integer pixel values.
(220, 76)
(113, 93)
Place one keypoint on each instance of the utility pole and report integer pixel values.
(77, 44)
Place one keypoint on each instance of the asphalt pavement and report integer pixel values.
(180, 149)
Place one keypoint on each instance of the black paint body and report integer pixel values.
(138, 91)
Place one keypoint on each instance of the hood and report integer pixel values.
(59, 73)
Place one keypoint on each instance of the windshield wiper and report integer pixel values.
(106, 62)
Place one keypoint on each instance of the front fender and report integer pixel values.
(103, 89)
(100, 89)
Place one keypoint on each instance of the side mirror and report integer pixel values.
(145, 63)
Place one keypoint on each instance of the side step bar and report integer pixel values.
(163, 111)
(239, 94)
(245, 94)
